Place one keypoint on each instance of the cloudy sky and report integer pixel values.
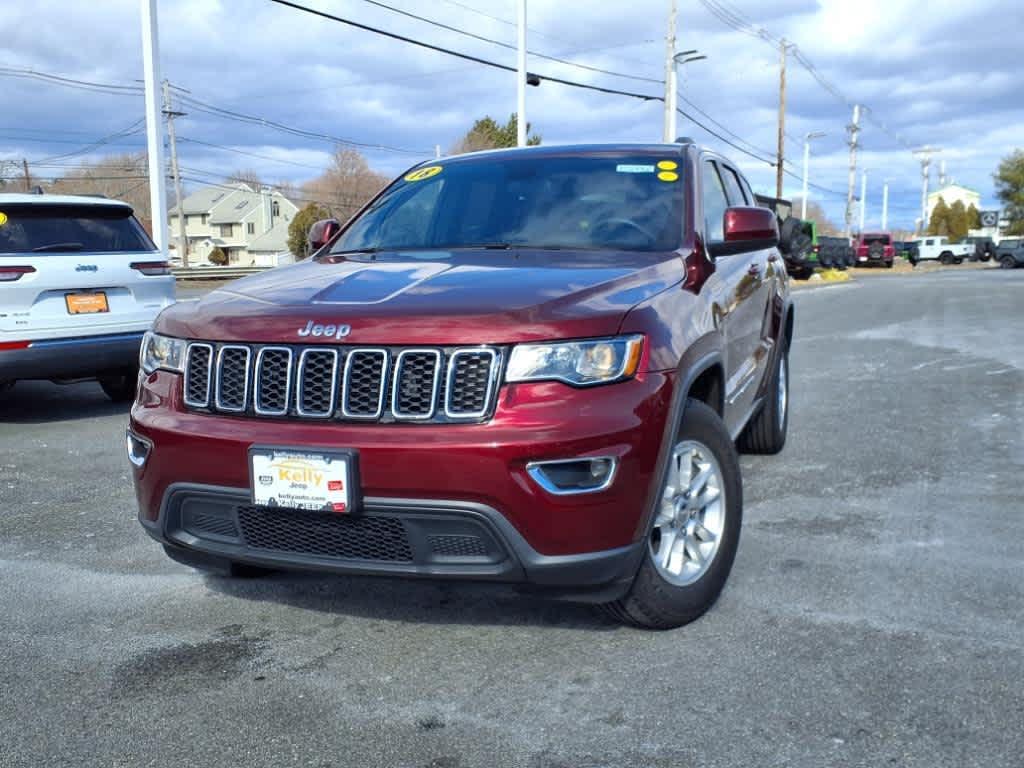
(931, 73)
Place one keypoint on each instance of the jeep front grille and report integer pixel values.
(380, 384)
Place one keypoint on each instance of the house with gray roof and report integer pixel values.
(249, 225)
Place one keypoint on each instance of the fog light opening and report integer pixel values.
(566, 477)
(138, 449)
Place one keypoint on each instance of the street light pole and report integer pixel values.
(684, 57)
(154, 125)
(521, 74)
(863, 199)
(670, 77)
(885, 206)
(807, 162)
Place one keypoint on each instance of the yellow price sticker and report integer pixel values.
(423, 173)
(668, 176)
(667, 165)
(3, 218)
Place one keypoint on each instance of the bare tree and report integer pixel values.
(248, 176)
(121, 177)
(346, 185)
(815, 213)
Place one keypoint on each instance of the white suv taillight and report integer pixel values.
(10, 274)
(152, 268)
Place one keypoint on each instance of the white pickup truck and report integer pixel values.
(940, 249)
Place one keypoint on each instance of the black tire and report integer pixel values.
(825, 258)
(1007, 262)
(766, 432)
(958, 260)
(652, 601)
(888, 265)
(120, 387)
(946, 258)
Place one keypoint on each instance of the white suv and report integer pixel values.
(80, 282)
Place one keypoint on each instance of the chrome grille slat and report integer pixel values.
(272, 391)
(198, 375)
(366, 375)
(417, 372)
(313, 399)
(472, 376)
(231, 392)
(345, 383)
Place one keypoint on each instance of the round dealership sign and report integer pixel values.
(989, 218)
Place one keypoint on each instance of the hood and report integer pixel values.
(430, 297)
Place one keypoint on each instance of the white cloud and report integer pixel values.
(931, 73)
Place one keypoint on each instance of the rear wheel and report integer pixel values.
(693, 537)
(946, 258)
(120, 387)
(766, 431)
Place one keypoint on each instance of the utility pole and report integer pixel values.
(28, 179)
(171, 114)
(863, 199)
(680, 59)
(154, 132)
(854, 131)
(925, 153)
(780, 154)
(885, 206)
(521, 74)
(670, 74)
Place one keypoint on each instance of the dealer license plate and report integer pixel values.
(86, 303)
(301, 479)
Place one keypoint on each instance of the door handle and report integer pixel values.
(754, 270)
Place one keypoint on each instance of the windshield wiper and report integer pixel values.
(58, 247)
(352, 252)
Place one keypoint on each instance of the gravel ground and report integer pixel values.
(875, 615)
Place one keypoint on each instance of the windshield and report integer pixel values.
(40, 228)
(607, 202)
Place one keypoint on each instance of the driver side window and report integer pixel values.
(715, 203)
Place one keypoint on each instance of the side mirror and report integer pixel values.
(321, 233)
(747, 229)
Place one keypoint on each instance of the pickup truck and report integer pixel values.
(940, 249)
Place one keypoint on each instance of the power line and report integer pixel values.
(509, 46)
(250, 154)
(459, 54)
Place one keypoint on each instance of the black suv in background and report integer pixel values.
(984, 248)
(1010, 253)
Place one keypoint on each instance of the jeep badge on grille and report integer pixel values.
(328, 331)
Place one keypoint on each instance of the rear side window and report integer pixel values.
(39, 228)
(732, 186)
(715, 204)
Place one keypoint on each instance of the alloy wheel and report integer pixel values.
(690, 521)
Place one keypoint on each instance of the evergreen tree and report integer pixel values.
(487, 133)
(939, 222)
(298, 230)
(973, 217)
(957, 221)
(1009, 178)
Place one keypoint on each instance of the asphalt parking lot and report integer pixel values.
(875, 615)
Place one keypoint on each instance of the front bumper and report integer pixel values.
(72, 357)
(448, 488)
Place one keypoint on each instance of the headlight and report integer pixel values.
(580, 363)
(161, 352)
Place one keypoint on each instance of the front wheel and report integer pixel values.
(120, 387)
(946, 258)
(693, 537)
(1007, 262)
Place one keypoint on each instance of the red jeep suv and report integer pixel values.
(875, 248)
(525, 366)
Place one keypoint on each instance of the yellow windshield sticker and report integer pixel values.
(668, 176)
(667, 165)
(3, 218)
(423, 173)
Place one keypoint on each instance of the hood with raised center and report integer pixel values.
(429, 297)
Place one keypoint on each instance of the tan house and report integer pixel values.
(250, 226)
